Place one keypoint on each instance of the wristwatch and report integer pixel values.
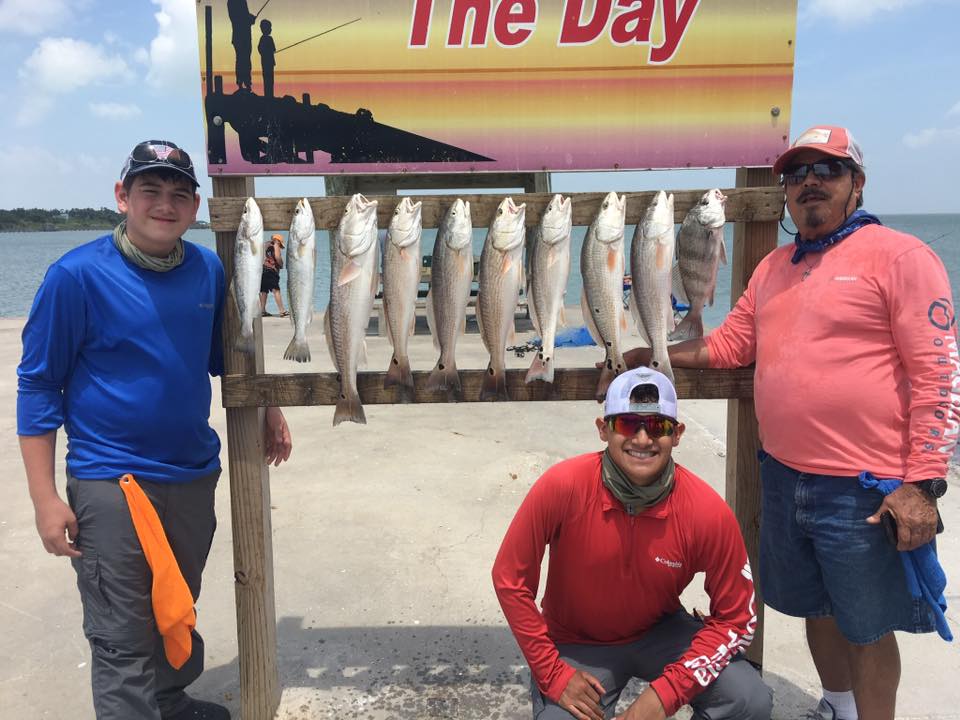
(935, 487)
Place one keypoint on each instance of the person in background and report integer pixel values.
(270, 280)
(853, 333)
(119, 346)
(628, 529)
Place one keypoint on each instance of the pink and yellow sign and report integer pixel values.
(386, 86)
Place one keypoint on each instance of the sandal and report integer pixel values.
(284, 314)
(266, 314)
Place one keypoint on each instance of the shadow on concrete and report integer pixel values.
(467, 672)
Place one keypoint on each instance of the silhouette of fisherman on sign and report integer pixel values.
(267, 50)
(242, 20)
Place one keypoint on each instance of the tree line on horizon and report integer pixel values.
(39, 219)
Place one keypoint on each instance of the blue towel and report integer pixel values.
(574, 337)
(925, 577)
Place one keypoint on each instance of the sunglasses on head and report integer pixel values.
(157, 152)
(822, 169)
(629, 425)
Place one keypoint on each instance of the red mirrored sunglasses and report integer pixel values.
(629, 425)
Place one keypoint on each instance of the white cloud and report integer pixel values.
(33, 17)
(174, 57)
(955, 110)
(115, 111)
(61, 65)
(932, 136)
(849, 11)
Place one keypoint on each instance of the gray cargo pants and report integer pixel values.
(130, 675)
(738, 693)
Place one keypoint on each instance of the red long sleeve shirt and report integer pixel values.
(856, 353)
(613, 576)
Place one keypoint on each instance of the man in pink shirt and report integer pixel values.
(628, 529)
(853, 333)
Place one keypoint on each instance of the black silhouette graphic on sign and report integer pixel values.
(241, 21)
(287, 130)
(267, 51)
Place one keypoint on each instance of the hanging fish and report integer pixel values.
(247, 271)
(549, 260)
(451, 275)
(354, 255)
(601, 265)
(700, 250)
(401, 281)
(301, 273)
(651, 265)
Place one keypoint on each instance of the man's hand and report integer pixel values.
(633, 358)
(57, 526)
(915, 512)
(581, 697)
(276, 437)
(645, 707)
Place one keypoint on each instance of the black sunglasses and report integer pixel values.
(161, 153)
(822, 169)
(629, 425)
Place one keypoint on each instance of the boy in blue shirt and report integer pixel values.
(119, 347)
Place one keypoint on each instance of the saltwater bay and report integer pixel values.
(30, 253)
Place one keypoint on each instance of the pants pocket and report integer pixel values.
(96, 607)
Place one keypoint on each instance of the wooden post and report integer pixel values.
(752, 241)
(538, 183)
(250, 504)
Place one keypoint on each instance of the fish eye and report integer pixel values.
(499, 211)
(606, 204)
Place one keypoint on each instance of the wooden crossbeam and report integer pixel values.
(300, 389)
(743, 205)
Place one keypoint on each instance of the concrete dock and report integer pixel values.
(383, 539)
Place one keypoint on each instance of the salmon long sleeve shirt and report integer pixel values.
(856, 357)
(612, 576)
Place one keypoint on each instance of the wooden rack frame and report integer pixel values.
(754, 205)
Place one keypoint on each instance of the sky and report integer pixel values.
(88, 79)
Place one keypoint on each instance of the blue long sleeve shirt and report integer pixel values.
(122, 357)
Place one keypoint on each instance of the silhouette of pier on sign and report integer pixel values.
(286, 130)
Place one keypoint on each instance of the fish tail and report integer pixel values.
(349, 408)
(540, 369)
(613, 366)
(399, 373)
(494, 386)
(689, 328)
(661, 362)
(444, 377)
(297, 350)
(244, 344)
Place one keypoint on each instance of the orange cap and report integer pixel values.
(279, 239)
(828, 139)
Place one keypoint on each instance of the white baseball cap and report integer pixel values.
(622, 387)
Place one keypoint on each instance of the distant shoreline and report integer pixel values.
(82, 228)
(72, 220)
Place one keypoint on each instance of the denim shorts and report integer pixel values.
(820, 558)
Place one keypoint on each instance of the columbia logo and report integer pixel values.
(206, 306)
(668, 563)
(846, 278)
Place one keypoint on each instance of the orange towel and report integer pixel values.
(172, 600)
